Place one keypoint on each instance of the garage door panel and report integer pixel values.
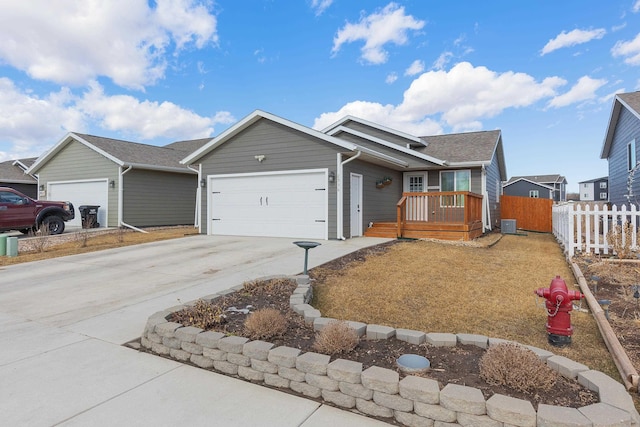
(279, 205)
(82, 193)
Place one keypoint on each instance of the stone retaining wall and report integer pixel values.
(379, 392)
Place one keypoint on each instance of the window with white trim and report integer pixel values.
(603, 196)
(603, 185)
(534, 193)
(631, 154)
(459, 180)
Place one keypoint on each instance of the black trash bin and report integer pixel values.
(89, 215)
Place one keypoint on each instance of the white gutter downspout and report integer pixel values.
(486, 212)
(339, 191)
(197, 213)
(120, 202)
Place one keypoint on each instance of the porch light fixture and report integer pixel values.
(332, 177)
(203, 183)
(112, 184)
(41, 187)
(260, 157)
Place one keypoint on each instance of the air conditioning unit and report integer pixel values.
(508, 226)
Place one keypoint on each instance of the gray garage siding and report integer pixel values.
(155, 198)
(378, 204)
(627, 129)
(284, 148)
(77, 162)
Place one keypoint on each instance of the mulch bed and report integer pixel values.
(458, 365)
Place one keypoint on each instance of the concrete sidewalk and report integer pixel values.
(62, 323)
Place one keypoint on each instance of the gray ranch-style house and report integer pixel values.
(135, 185)
(13, 174)
(557, 184)
(620, 149)
(523, 187)
(269, 176)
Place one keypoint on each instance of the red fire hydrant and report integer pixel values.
(559, 304)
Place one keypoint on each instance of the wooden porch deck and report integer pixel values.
(435, 215)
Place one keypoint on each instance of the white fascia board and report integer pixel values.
(249, 120)
(160, 168)
(345, 119)
(63, 143)
(388, 144)
(381, 156)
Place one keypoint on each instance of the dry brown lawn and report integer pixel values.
(441, 287)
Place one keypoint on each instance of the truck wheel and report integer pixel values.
(55, 224)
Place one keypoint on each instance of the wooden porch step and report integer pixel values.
(382, 229)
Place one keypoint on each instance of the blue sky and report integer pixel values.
(543, 72)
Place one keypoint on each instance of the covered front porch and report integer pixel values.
(450, 215)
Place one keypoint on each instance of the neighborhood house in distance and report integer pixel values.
(552, 187)
(594, 190)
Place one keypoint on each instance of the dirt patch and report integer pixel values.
(458, 365)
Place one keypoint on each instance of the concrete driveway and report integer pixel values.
(62, 323)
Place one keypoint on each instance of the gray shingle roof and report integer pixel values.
(14, 173)
(632, 99)
(462, 147)
(540, 179)
(133, 153)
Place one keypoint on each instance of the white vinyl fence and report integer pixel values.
(584, 228)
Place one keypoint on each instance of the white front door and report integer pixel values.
(274, 204)
(356, 205)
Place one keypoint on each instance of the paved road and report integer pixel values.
(62, 323)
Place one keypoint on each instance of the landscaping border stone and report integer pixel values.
(378, 391)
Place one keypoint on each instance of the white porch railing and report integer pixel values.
(585, 228)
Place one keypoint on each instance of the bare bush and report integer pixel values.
(256, 287)
(41, 239)
(82, 238)
(621, 240)
(119, 234)
(202, 314)
(337, 337)
(517, 367)
(264, 324)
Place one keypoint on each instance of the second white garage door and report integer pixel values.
(279, 204)
(82, 193)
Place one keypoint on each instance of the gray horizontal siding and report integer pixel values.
(387, 136)
(522, 188)
(627, 129)
(153, 198)
(76, 162)
(284, 149)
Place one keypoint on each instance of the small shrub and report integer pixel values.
(202, 314)
(256, 287)
(41, 239)
(264, 324)
(82, 237)
(337, 337)
(119, 234)
(621, 238)
(517, 367)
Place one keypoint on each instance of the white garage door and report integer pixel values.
(283, 204)
(82, 193)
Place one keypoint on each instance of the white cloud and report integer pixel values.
(572, 38)
(319, 6)
(124, 40)
(630, 50)
(636, 7)
(416, 67)
(442, 60)
(584, 90)
(28, 122)
(458, 98)
(389, 25)
(391, 78)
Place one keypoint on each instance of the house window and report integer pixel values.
(454, 181)
(585, 196)
(631, 154)
(603, 196)
(416, 184)
(603, 185)
(534, 193)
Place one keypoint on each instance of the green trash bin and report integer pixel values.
(3, 244)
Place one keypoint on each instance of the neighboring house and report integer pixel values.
(557, 183)
(13, 174)
(268, 176)
(523, 187)
(620, 149)
(594, 190)
(135, 185)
